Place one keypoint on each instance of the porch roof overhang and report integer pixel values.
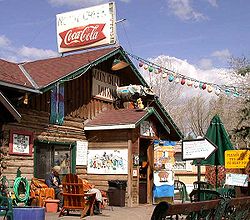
(123, 119)
(10, 107)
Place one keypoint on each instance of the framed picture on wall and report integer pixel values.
(21, 142)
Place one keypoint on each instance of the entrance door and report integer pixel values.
(49, 155)
(145, 171)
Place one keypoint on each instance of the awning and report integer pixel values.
(122, 119)
(10, 107)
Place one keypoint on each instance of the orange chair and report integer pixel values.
(74, 197)
(39, 192)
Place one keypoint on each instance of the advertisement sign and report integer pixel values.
(237, 158)
(85, 28)
(107, 161)
(104, 85)
(234, 179)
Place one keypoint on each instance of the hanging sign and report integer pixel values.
(104, 85)
(236, 158)
(146, 129)
(197, 149)
(81, 153)
(85, 28)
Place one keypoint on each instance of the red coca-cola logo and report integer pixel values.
(81, 36)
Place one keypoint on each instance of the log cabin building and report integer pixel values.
(63, 111)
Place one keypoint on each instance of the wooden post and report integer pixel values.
(130, 174)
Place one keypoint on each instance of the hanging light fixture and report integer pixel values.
(26, 99)
(118, 64)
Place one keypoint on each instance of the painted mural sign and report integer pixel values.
(108, 161)
(163, 168)
(104, 85)
(164, 155)
(85, 28)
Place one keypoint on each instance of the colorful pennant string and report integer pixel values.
(178, 78)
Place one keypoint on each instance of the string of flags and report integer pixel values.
(178, 78)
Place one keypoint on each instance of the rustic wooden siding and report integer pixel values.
(78, 102)
(38, 123)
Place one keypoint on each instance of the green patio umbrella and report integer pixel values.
(218, 135)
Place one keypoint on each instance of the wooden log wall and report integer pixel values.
(79, 106)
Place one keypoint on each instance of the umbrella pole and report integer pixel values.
(216, 177)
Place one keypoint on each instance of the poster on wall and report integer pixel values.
(163, 169)
(81, 153)
(108, 161)
(86, 28)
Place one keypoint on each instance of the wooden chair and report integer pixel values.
(39, 192)
(74, 197)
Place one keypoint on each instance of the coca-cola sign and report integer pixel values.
(85, 28)
(80, 36)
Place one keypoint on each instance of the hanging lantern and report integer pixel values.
(156, 71)
(217, 92)
(164, 75)
(145, 66)
(177, 80)
(209, 88)
(140, 64)
(204, 86)
(160, 70)
(171, 78)
(200, 85)
(150, 69)
(227, 91)
(236, 94)
(183, 81)
(196, 84)
(190, 83)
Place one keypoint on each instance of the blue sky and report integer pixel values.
(202, 32)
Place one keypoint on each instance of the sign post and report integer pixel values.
(198, 149)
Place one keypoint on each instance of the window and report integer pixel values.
(49, 155)
(180, 164)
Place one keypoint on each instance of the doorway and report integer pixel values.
(145, 170)
(49, 155)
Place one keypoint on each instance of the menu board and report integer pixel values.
(81, 153)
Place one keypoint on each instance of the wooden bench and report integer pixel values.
(224, 208)
(74, 197)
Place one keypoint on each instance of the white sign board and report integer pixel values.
(197, 149)
(85, 28)
(81, 153)
(108, 161)
(234, 179)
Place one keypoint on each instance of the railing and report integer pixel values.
(224, 208)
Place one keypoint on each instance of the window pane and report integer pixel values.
(62, 159)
